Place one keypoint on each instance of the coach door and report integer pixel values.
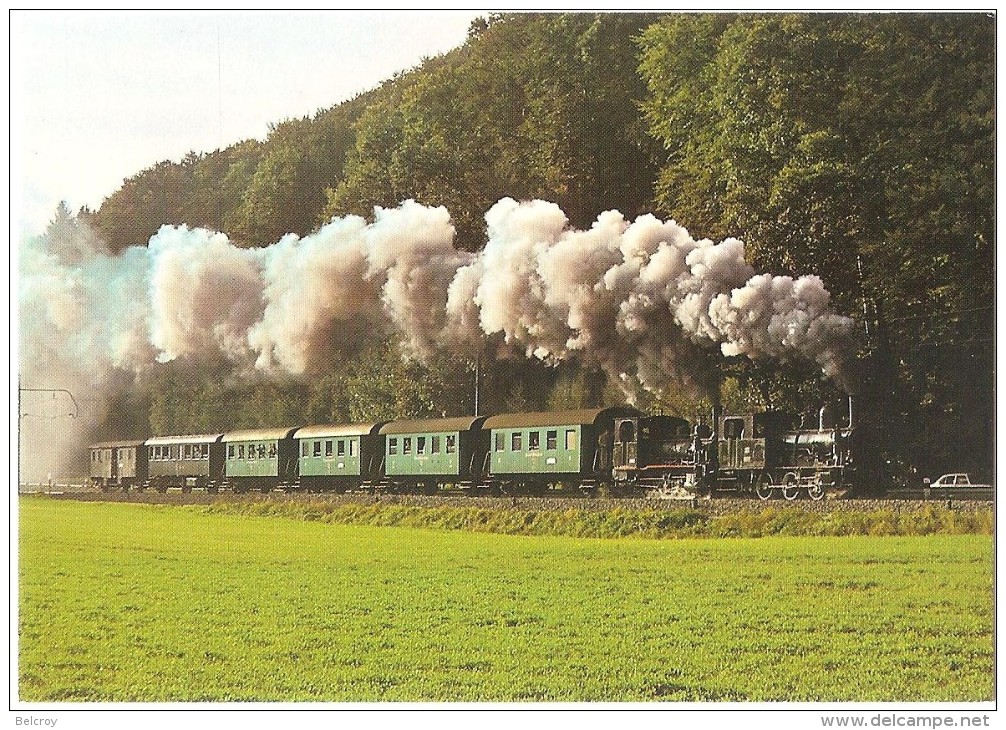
(624, 452)
(116, 464)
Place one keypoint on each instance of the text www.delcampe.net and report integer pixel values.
(896, 720)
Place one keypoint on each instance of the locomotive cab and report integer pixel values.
(654, 452)
(626, 446)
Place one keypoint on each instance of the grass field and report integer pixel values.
(126, 602)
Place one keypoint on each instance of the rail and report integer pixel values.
(976, 493)
(56, 486)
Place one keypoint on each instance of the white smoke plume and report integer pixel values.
(643, 301)
(204, 294)
(317, 296)
(82, 318)
(337, 287)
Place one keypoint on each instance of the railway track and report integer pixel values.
(537, 503)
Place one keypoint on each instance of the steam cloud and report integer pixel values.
(643, 301)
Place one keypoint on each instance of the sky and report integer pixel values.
(97, 96)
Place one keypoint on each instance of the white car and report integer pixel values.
(957, 480)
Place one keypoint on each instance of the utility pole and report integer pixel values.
(21, 413)
(478, 368)
(862, 292)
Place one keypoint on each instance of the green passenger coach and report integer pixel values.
(535, 450)
(188, 462)
(435, 451)
(339, 457)
(260, 458)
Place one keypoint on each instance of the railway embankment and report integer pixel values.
(592, 517)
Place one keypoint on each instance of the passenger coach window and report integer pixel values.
(303, 448)
(392, 446)
(451, 444)
(328, 448)
(230, 451)
(434, 444)
(534, 441)
(550, 440)
(515, 444)
(340, 447)
(352, 447)
(272, 451)
(420, 444)
(500, 441)
(571, 440)
(407, 445)
(317, 448)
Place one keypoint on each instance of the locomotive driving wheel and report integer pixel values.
(763, 487)
(790, 487)
(816, 490)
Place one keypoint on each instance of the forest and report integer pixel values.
(856, 147)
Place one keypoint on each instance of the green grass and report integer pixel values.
(653, 522)
(124, 602)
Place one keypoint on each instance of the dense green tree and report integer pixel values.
(532, 106)
(382, 386)
(302, 159)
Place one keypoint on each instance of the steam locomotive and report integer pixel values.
(621, 450)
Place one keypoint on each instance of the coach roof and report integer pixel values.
(202, 438)
(259, 434)
(581, 417)
(434, 425)
(118, 444)
(339, 430)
